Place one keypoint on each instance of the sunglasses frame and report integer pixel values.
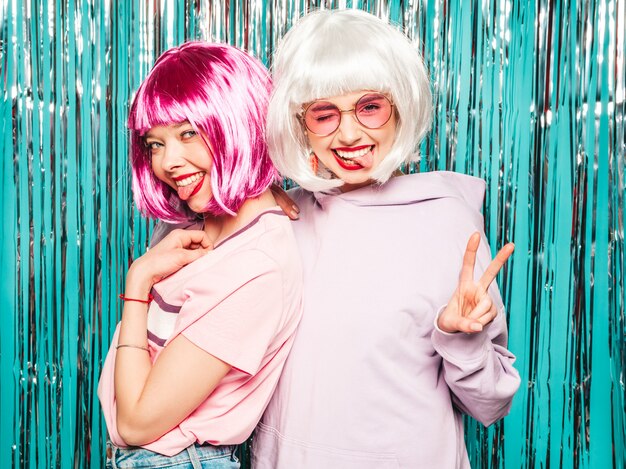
(302, 115)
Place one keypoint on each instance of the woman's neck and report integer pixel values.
(222, 226)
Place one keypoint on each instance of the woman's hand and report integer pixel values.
(284, 202)
(471, 308)
(176, 250)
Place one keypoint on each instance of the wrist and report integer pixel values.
(138, 285)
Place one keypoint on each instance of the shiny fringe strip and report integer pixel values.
(529, 95)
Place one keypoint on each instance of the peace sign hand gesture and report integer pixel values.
(471, 308)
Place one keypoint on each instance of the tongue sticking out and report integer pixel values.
(358, 162)
(187, 191)
(365, 161)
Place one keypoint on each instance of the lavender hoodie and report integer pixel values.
(371, 382)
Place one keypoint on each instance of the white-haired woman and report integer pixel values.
(394, 344)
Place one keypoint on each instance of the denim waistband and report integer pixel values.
(198, 456)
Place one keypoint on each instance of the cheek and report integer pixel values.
(312, 139)
(393, 130)
(387, 138)
(318, 145)
(157, 169)
(389, 141)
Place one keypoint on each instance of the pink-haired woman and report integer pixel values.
(211, 309)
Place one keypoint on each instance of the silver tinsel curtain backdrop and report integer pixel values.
(529, 95)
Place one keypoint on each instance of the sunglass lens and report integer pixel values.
(322, 118)
(373, 110)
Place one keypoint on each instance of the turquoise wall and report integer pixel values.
(528, 95)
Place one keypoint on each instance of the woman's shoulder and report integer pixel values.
(441, 185)
(265, 243)
(276, 239)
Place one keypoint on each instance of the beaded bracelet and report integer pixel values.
(147, 302)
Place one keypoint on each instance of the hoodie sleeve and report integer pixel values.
(478, 368)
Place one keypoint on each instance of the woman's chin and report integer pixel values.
(197, 206)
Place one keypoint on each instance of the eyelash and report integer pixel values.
(185, 135)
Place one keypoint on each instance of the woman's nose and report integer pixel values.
(173, 156)
(349, 128)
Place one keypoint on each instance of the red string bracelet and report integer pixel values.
(147, 302)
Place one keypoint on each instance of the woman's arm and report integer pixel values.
(153, 399)
(471, 338)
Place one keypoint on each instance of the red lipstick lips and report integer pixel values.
(352, 148)
(184, 176)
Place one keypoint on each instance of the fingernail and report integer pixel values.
(476, 327)
(295, 208)
(294, 214)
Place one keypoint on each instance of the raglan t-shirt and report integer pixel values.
(241, 303)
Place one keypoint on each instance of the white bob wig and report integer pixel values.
(335, 52)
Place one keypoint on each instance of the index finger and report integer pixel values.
(469, 258)
(492, 270)
(285, 202)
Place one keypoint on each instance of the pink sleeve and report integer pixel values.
(238, 329)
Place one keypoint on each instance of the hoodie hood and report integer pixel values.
(411, 189)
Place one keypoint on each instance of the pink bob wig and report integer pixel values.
(223, 93)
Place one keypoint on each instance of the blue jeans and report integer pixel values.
(195, 456)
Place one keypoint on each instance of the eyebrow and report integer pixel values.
(322, 106)
(368, 98)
